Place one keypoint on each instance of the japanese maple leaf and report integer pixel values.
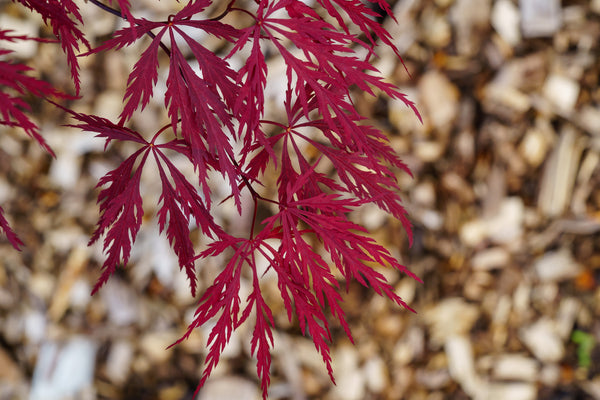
(121, 202)
(15, 85)
(199, 104)
(10, 234)
(12, 105)
(63, 16)
(324, 77)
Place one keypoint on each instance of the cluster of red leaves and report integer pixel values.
(213, 108)
(15, 84)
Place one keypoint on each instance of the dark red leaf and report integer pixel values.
(59, 13)
(121, 214)
(10, 234)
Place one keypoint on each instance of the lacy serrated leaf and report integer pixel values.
(181, 203)
(12, 107)
(121, 214)
(63, 15)
(12, 237)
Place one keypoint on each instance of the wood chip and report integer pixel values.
(562, 92)
(64, 371)
(556, 266)
(451, 317)
(227, 388)
(505, 19)
(516, 367)
(543, 340)
(540, 17)
(559, 173)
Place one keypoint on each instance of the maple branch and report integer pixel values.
(224, 13)
(106, 8)
(244, 11)
(255, 195)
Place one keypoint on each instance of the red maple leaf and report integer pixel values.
(63, 16)
(15, 85)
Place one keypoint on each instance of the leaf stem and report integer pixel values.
(161, 130)
(254, 218)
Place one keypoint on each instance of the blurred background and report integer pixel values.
(505, 202)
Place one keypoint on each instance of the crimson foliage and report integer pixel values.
(217, 122)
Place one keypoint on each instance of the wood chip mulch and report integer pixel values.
(505, 202)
